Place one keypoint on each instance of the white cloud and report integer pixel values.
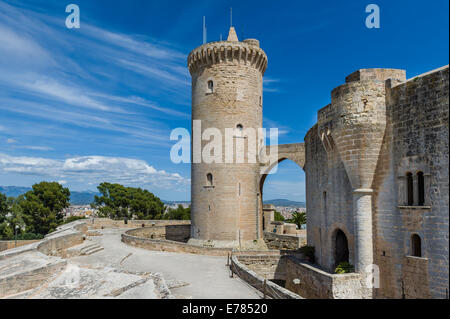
(36, 148)
(268, 84)
(93, 169)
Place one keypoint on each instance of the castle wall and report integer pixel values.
(416, 140)
(328, 200)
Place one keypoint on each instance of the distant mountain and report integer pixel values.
(171, 202)
(76, 198)
(285, 202)
(82, 198)
(14, 191)
(87, 197)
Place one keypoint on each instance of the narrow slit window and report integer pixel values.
(209, 179)
(210, 86)
(410, 189)
(421, 188)
(416, 245)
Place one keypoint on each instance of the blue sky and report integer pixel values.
(94, 104)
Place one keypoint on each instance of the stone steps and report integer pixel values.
(92, 250)
(84, 249)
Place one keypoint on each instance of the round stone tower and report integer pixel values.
(227, 88)
(358, 132)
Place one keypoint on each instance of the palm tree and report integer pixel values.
(298, 218)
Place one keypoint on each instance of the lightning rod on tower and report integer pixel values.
(204, 30)
(231, 16)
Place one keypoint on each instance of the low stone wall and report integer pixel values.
(313, 283)
(179, 233)
(26, 267)
(259, 282)
(37, 261)
(31, 276)
(284, 241)
(97, 223)
(66, 236)
(9, 244)
(172, 246)
(181, 247)
(269, 267)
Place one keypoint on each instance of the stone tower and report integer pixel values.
(227, 88)
(358, 131)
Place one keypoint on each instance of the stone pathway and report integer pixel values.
(186, 275)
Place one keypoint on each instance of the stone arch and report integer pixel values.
(340, 246)
(294, 152)
(329, 245)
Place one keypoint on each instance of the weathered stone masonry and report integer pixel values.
(376, 166)
(378, 128)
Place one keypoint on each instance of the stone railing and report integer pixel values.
(313, 283)
(284, 241)
(260, 283)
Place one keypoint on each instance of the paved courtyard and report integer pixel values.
(187, 275)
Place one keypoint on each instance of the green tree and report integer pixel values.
(53, 196)
(5, 227)
(278, 217)
(117, 202)
(41, 208)
(145, 205)
(179, 213)
(298, 218)
(114, 201)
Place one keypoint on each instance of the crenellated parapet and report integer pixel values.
(355, 121)
(246, 52)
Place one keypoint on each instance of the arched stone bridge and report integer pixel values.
(295, 152)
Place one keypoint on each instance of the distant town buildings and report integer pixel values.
(80, 210)
(287, 212)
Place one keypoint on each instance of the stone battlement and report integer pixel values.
(228, 52)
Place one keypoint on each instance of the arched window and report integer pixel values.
(260, 100)
(209, 179)
(421, 188)
(239, 127)
(416, 245)
(410, 189)
(210, 86)
(341, 253)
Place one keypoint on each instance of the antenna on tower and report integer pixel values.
(204, 30)
(231, 16)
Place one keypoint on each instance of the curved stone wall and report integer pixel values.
(265, 286)
(163, 240)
